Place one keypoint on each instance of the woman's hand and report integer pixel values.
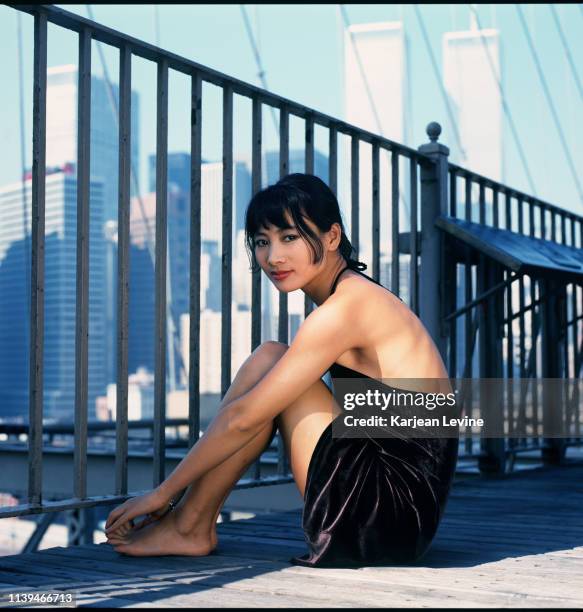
(155, 504)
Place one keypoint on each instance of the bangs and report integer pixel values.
(269, 207)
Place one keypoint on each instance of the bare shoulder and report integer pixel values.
(359, 292)
(377, 313)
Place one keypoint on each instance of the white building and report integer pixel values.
(210, 345)
(471, 71)
(61, 134)
(375, 93)
(59, 296)
(140, 396)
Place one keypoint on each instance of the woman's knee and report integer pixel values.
(270, 351)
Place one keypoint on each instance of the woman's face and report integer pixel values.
(286, 257)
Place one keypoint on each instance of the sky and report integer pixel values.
(301, 49)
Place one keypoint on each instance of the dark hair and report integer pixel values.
(298, 194)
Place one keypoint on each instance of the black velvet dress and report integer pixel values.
(374, 501)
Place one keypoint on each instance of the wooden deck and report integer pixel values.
(515, 542)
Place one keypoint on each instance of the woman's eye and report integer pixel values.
(257, 242)
(291, 236)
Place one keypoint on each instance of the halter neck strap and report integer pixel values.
(336, 279)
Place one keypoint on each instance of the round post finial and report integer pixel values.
(433, 131)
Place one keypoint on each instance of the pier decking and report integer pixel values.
(511, 542)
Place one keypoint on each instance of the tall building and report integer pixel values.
(59, 295)
(211, 190)
(178, 171)
(210, 345)
(61, 148)
(61, 132)
(471, 71)
(142, 285)
(376, 100)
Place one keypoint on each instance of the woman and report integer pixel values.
(367, 501)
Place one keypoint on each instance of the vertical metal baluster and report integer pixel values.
(376, 220)
(508, 211)
(452, 365)
(282, 332)
(395, 222)
(579, 345)
(355, 193)
(553, 226)
(482, 202)
(575, 334)
(510, 355)
(226, 276)
(333, 159)
(564, 306)
(37, 277)
(309, 168)
(452, 193)
(195, 257)
(535, 324)
(82, 270)
(160, 272)
(282, 336)
(468, 370)
(468, 194)
(256, 135)
(495, 208)
(123, 245)
(413, 267)
(522, 323)
(543, 221)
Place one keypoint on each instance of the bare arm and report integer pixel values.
(321, 339)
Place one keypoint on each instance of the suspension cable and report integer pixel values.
(133, 175)
(505, 105)
(567, 50)
(550, 101)
(257, 54)
(439, 81)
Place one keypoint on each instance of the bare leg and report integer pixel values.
(191, 528)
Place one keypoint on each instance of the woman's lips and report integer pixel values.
(281, 275)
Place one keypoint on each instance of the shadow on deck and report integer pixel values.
(511, 542)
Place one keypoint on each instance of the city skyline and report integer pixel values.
(300, 81)
(394, 123)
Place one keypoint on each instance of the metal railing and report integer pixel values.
(490, 309)
(431, 185)
(128, 48)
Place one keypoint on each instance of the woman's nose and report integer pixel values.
(275, 257)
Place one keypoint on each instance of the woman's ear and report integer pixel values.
(334, 236)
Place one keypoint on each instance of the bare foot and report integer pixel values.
(163, 537)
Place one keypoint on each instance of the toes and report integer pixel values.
(121, 548)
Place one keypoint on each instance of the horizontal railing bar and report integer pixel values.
(511, 191)
(55, 428)
(102, 500)
(150, 52)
